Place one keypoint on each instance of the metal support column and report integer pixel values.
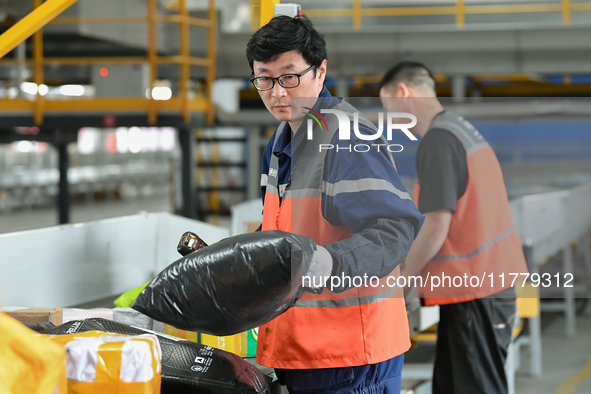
(254, 163)
(152, 55)
(535, 323)
(185, 51)
(187, 142)
(476, 90)
(211, 54)
(586, 252)
(458, 87)
(63, 198)
(510, 366)
(342, 87)
(38, 67)
(21, 70)
(569, 293)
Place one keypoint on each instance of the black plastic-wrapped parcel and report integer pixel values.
(187, 367)
(232, 286)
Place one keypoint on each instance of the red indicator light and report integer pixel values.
(104, 72)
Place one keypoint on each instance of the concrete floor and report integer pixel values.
(562, 359)
(566, 362)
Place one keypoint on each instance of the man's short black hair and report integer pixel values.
(283, 34)
(414, 74)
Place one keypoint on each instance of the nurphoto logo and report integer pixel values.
(345, 129)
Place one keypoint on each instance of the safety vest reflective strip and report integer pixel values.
(345, 186)
(338, 303)
(475, 251)
(482, 239)
(360, 326)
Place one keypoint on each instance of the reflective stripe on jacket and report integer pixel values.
(363, 325)
(482, 240)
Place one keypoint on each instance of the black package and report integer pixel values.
(232, 286)
(187, 367)
(39, 327)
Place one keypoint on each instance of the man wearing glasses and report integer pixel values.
(355, 208)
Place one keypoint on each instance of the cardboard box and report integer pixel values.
(34, 315)
(243, 344)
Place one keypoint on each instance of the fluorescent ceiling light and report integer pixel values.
(161, 93)
(71, 90)
(29, 87)
(43, 89)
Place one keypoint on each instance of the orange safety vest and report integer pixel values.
(482, 240)
(363, 325)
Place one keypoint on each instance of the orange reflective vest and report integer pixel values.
(482, 240)
(363, 325)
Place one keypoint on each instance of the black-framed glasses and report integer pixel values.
(286, 81)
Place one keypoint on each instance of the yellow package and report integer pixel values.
(102, 362)
(28, 364)
(243, 344)
(183, 334)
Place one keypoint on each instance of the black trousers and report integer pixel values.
(472, 342)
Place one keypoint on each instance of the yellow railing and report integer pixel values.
(182, 102)
(267, 8)
(460, 10)
(25, 28)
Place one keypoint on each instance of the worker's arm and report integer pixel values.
(443, 175)
(369, 198)
(428, 243)
(374, 251)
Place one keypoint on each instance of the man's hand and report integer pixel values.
(403, 268)
(427, 244)
(320, 270)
